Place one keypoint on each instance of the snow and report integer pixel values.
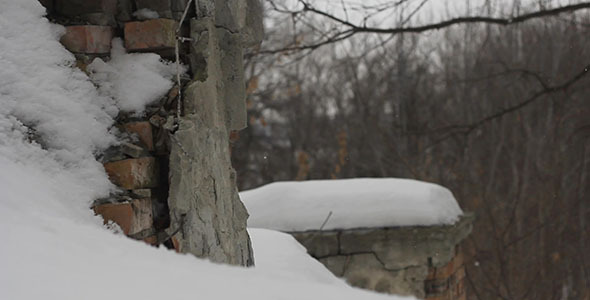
(134, 80)
(275, 252)
(146, 14)
(349, 203)
(39, 89)
(52, 246)
(53, 250)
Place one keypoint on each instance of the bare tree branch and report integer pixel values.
(468, 128)
(352, 29)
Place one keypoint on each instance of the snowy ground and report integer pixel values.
(349, 203)
(53, 250)
(52, 246)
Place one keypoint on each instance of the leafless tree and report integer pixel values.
(499, 114)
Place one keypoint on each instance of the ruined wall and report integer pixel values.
(422, 261)
(177, 183)
(203, 191)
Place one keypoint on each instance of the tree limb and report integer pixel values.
(352, 29)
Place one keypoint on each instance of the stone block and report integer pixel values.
(136, 173)
(233, 88)
(366, 271)
(143, 131)
(203, 49)
(319, 244)
(88, 39)
(132, 217)
(420, 261)
(150, 35)
(336, 264)
(249, 20)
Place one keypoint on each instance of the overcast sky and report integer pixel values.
(428, 10)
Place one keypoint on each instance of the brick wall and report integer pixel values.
(139, 166)
(177, 163)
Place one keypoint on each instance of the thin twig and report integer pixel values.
(326, 221)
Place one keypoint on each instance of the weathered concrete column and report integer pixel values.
(203, 196)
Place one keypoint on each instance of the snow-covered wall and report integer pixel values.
(391, 235)
(160, 130)
(423, 261)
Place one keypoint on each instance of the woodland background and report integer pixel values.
(498, 114)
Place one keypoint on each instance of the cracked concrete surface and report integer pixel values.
(388, 260)
(203, 194)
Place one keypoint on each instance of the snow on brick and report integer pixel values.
(349, 203)
(143, 131)
(133, 80)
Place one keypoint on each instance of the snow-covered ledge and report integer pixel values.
(391, 235)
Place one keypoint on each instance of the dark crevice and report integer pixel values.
(161, 211)
(168, 244)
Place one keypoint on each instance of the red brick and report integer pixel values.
(120, 213)
(136, 173)
(142, 215)
(458, 261)
(90, 39)
(447, 270)
(458, 289)
(460, 273)
(443, 272)
(152, 240)
(132, 217)
(149, 35)
(176, 244)
(143, 130)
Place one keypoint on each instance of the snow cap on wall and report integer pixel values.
(350, 203)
